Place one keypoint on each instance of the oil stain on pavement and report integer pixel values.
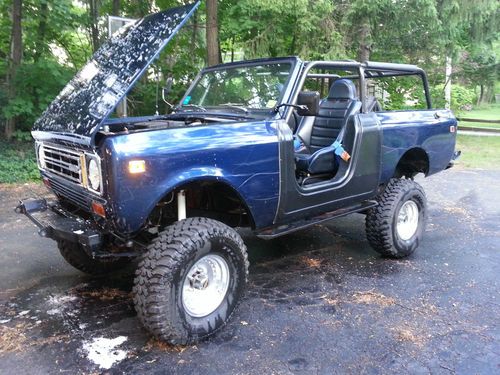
(319, 301)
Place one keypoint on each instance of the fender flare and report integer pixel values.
(198, 175)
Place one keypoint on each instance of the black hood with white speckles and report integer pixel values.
(90, 97)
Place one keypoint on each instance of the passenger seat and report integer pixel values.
(341, 103)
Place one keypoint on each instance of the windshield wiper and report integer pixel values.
(195, 106)
(236, 106)
(203, 115)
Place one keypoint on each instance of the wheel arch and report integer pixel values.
(412, 162)
(209, 196)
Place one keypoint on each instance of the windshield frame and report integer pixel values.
(294, 62)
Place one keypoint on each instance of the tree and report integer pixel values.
(389, 30)
(261, 28)
(212, 30)
(466, 25)
(115, 11)
(480, 67)
(14, 60)
(94, 23)
(360, 19)
(58, 36)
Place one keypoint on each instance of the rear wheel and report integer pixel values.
(395, 227)
(75, 255)
(190, 280)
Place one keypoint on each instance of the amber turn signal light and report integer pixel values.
(98, 209)
(136, 166)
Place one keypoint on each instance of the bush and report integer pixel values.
(462, 98)
(18, 162)
(37, 84)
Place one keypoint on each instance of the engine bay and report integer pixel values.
(179, 120)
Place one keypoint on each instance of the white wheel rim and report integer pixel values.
(407, 223)
(205, 285)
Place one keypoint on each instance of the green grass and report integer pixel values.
(17, 162)
(479, 151)
(485, 112)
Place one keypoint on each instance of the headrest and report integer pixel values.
(311, 100)
(342, 89)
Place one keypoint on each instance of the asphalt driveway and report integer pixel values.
(319, 301)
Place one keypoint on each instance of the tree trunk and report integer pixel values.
(16, 54)
(364, 42)
(141, 8)
(94, 27)
(41, 46)
(232, 48)
(194, 36)
(116, 8)
(481, 95)
(42, 29)
(447, 83)
(490, 90)
(213, 48)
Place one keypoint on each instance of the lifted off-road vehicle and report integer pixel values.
(276, 145)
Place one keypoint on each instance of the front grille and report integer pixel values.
(73, 195)
(63, 162)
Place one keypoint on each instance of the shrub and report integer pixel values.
(462, 98)
(18, 162)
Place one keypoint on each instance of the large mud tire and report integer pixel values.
(386, 229)
(160, 294)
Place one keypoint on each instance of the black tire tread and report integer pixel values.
(379, 219)
(170, 249)
(77, 257)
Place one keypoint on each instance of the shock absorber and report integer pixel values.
(181, 205)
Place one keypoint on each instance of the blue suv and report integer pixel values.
(275, 144)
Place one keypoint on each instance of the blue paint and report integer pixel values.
(404, 130)
(243, 155)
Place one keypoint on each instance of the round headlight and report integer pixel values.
(94, 175)
(41, 157)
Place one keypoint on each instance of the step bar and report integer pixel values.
(280, 230)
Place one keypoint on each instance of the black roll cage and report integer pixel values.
(365, 70)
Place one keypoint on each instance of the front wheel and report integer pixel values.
(190, 280)
(395, 227)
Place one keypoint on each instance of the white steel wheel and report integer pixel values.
(395, 227)
(190, 280)
(407, 221)
(205, 285)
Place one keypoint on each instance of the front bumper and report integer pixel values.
(58, 224)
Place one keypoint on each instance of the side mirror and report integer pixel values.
(166, 90)
(309, 101)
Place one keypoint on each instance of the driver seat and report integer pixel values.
(333, 115)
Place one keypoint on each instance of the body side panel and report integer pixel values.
(242, 155)
(358, 183)
(404, 130)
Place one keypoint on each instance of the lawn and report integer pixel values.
(485, 112)
(479, 151)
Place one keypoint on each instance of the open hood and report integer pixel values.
(90, 97)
